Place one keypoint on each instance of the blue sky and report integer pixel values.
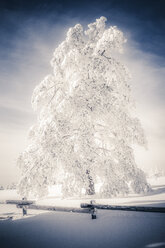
(146, 18)
(30, 31)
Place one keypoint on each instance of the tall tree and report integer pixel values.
(86, 124)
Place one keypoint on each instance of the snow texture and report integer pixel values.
(86, 120)
(114, 229)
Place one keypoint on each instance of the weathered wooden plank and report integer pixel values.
(54, 208)
(124, 208)
(20, 202)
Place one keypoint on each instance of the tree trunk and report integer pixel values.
(90, 189)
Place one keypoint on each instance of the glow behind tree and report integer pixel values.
(86, 123)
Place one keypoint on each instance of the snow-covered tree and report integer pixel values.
(1, 187)
(86, 122)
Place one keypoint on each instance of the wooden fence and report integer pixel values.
(89, 208)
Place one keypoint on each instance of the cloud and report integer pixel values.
(148, 90)
(23, 67)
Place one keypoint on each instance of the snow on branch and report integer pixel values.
(85, 126)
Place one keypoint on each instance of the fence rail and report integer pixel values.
(54, 208)
(89, 208)
(15, 202)
(124, 208)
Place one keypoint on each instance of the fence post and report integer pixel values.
(93, 210)
(24, 208)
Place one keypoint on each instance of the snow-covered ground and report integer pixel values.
(111, 229)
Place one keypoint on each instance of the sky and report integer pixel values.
(29, 33)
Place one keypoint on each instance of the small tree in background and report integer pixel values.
(86, 123)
